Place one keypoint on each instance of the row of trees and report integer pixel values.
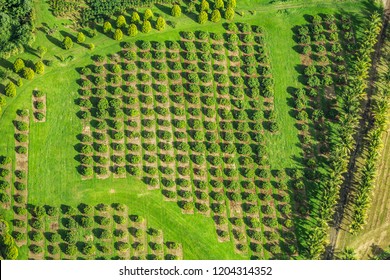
(27, 72)
(8, 248)
(206, 10)
(215, 14)
(75, 220)
(100, 10)
(4, 180)
(377, 125)
(67, 43)
(132, 28)
(314, 238)
(24, 71)
(341, 143)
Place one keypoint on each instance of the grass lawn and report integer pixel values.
(53, 178)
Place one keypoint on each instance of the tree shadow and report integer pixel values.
(67, 34)
(308, 18)
(370, 7)
(191, 15)
(30, 50)
(2, 88)
(378, 252)
(54, 40)
(6, 63)
(163, 8)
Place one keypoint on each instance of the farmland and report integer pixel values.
(185, 140)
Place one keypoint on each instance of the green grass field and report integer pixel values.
(53, 178)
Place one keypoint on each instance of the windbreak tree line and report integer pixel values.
(377, 124)
(15, 26)
(101, 9)
(340, 63)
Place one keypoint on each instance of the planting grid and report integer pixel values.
(191, 118)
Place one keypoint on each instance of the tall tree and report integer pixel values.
(10, 89)
(28, 73)
(160, 24)
(146, 27)
(229, 13)
(135, 18)
(216, 16)
(107, 27)
(148, 14)
(121, 21)
(133, 30)
(203, 17)
(219, 4)
(39, 67)
(118, 35)
(67, 43)
(176, 11)
(80, 37)
(204, 6)
(18, 65)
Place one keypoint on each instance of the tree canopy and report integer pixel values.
(15, 26)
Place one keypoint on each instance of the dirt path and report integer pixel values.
(364, 125)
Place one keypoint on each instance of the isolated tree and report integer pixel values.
(118, 35)
(146, 26)
(219, 4)
(28, 73)
(91, 46)
(203, 17)
(41, 51)
(121, 21)
(216, 16)
(10, 89)
(67, 43)
(107, 27)
(160, 24)
(80, 37)
(133, 30)
(229, 13)
(148, 14)
(135, 18)
(18, 65)
(176, 11)
(39, 67)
